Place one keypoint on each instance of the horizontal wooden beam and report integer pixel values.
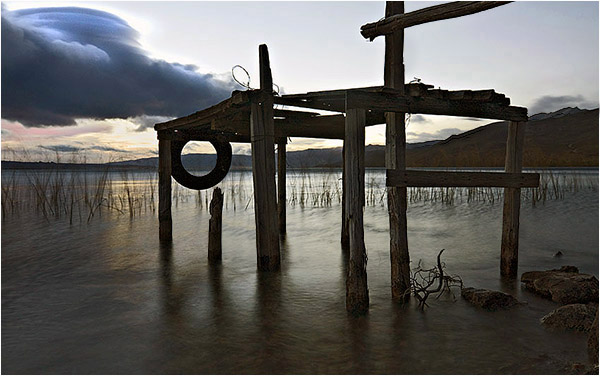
(323, 126)
(329, 94)
(435, 13)
(200, 135)
(396, 102)
(334, 105)
(293, 114)
(416, 178)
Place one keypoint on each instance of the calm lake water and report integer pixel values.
(103, 296)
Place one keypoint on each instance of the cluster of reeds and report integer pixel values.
(554, 186)
(83, 194)
(77, 194)
(308, 189)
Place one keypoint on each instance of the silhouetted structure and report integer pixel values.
(249, 116)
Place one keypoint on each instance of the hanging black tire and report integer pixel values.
(183, 177)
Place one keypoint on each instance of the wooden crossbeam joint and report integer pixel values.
(435, 13)
(418, 178)
(393, 101)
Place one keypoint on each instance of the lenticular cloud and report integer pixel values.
(60, 64)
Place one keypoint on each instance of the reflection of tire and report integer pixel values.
(211, 179)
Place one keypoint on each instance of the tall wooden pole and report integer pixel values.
(509, 258)
(281, 181)
(262, 135)
(345, 237)
(357, 293)
(165, 222)
(395, 159)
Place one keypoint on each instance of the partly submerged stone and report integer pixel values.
(577, 317)
(488, 299)
(565, 285)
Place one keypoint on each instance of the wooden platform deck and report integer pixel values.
(231, 117)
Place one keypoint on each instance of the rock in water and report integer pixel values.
(565, 285)
(488, 299)
(593, 341)
(572, 316)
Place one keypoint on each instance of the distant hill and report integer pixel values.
(564, 138)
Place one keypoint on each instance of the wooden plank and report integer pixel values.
(215, 225)
(332, 100)
(293, 114)
(327, 94)
(323, 126)
(395, 158)
(165, 221)
(357, 293)
(435, 13)
(263, 170)
(281, 181)
(396, 102)
(416, 178)
(334, 106)
(509, 257)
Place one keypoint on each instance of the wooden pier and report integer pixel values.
(250, 116)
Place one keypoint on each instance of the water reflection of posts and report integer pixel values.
(268, 307)
(172, 302)
(220, 317)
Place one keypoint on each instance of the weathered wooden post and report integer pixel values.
(345, 237)
(357, 292)
(262, 135)
(215, 227)
(395, 159)
(165, 222)
(281, 181)
(509, 259)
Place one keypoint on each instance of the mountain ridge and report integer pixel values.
(564, 138)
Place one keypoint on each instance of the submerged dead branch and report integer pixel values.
(423, 279)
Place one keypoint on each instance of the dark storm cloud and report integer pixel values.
(145, 122)
(60, 64)
(549, 103)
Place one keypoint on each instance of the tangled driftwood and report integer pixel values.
(423, 279)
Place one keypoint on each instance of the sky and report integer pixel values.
(90, 79)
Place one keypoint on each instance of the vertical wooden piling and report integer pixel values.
(215, 227)
(345, 237)
(262, 131)
(395, 158)
(509, 258)
(357, 292)
(281, 181)
(165, 222)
